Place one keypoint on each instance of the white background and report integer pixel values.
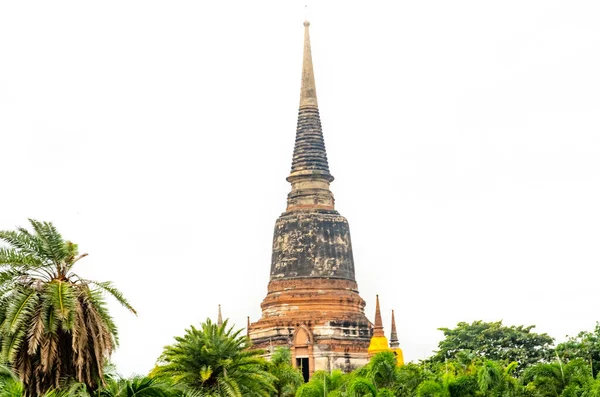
(463, 135)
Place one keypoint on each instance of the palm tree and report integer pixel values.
(382, 370)
(54, 324)
(557, 379)
(288, 378)
(215, 360)
(378, 378)
(496, 381)
(138, 386)
(360, 386)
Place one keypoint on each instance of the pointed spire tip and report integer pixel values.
(394, 335)
(378, 329)
(308, 90)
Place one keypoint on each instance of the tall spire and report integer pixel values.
(310, 175)
(379, 342)
(220, 317)
(308, 90)
(378, 329)
(394, 336)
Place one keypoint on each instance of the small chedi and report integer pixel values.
(312, 304)
(379, 342)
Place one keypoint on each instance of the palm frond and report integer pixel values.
(108, 287)
(62, 297)
(19, 259)
(22, 241)
(20, 309)
(52, 242)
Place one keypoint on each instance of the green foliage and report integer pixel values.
(593, 389)
(310, 390)
(138, 386)
(54, 325)
(558, 379)
(585, 346)
(494, 341)
(215, 361)
(287, 378)
(463, 386)
(495, 381)
(10, 386)
(323, 383)
(385, 393)
(408, 379)
(360, 386)
(431, 388)
(382, 370)
(466, 376)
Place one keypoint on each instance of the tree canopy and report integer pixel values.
(494, 341)
(585, 346)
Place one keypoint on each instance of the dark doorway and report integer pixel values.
(302, 363)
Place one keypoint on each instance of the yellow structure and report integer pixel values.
(379, 342)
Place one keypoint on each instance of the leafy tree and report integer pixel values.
(494, 341)
(215, 361)
(557, 379)
(586, 346)
(409, 377)
(54, 324)
(288, 378)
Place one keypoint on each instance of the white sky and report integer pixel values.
(464, 137)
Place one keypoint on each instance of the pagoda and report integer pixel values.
(312, 304)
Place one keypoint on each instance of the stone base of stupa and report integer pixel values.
(321, 320)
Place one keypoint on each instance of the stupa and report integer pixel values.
(312, 304)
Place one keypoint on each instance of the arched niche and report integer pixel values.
(302, 351)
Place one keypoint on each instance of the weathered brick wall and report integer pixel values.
(312, 244)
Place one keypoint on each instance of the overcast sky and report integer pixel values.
(464, 137)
